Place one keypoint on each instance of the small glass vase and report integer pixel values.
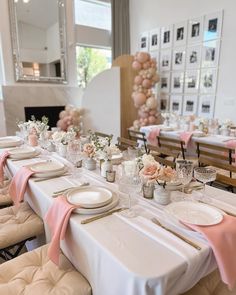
(161, 195)
(148, 189)
(62, 149)
(106, 165)
(90, 164)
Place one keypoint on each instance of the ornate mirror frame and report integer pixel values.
(18, 68)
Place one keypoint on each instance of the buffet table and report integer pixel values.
(120, 255)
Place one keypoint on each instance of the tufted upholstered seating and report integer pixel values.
(5, 199)
(33, 273)
(16, 226)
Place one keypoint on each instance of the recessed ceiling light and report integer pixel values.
(26, 1)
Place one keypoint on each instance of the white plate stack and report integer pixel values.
(48, 169)
(10, 141)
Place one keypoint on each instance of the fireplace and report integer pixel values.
(51, 112)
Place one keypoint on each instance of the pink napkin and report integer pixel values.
(152, 136)
(18, 185)
(3, 158)
(186, 136)
(222, 238)
(232, 144)
(57, 218)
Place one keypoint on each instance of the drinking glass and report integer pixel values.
(204, 174)
(184, 171)
(74, 155)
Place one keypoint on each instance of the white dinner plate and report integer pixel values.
(194, 213)
(47, 167)
(87, 211)
(9, 141)
(22, 152)
(50, 174)
(90, 196)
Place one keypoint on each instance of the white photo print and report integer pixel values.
(143, 46)
(179, 58)
(165, 82)
(180, 33)
(210, 53)
(190, 105)
(195, 30)
(176, 102)
(177, 82)
(206, 106)
(164, 102)
(166, 36)
(208, 80)
(193, 57)
(213, 26)
(154, 39)
(191, 81)
(165, 60)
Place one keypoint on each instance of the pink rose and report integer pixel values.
(89, 150)
(167, 174)
(150, 173)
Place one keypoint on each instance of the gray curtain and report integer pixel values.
(120, 28)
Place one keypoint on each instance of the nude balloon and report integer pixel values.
(138, 80)
(62, 114)
(152, 120)
(151, 102)
(153, 112)
(139, 99)
(136, 65)
(146, 83)
(142, 57)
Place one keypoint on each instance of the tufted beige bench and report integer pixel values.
(33, 273)
(17, 225)
(5, 199)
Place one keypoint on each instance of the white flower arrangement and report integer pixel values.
(63, 137)
(227, 123)
(34, 126)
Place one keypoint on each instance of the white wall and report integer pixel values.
(53, 43)
(149, 14)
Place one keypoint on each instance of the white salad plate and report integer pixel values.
(90, 196)
(50, 174)
(194, 213)
(22, 152)
(109, 206)
(9, 141)
(47, 167)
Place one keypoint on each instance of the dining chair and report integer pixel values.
(34, 273)
(220, 158)
(5, 199)
(170, 158)
(104, 135)
(17, 226)
(138, 136)
(124, 143)
(171, 145)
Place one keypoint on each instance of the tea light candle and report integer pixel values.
(110, 176)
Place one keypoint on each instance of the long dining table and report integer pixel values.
(120, 255)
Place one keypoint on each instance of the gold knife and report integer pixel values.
(157, 222)
(88, 220)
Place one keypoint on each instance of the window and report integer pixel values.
(90, 62)
(93, 13)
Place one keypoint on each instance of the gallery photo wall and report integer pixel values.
(188, 61)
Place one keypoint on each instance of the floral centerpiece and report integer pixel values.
(89, 150)
(61, 140)
(34, 126)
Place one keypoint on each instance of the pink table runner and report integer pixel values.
(3, 159)
(222, 238)
(18, 185)
(57, 218)
(152, 136)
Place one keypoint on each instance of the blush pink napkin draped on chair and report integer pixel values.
(3, 159)
(152, 135)
(232, 144)
(57, 218)
(18, 185)
(222, 238)
(186, 137)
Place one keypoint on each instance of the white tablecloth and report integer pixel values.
(126, 256)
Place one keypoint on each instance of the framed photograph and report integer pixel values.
(143, 45)
(195, 30)
(178, 58)
(213, 25)
(164, 102)
(190, 105)
(180, 33)
(177, 82)
(176, 102)
(193, 57)
(210, 53)
(208, 80)
(206, 106)
(154, 39)
(165, 60)
(191, 82)
(156, 54)
(166, 36)
(165, 83)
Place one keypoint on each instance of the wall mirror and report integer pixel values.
(38, 30)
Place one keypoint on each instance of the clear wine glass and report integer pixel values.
(74, 155)
(184, 171)
(204, 174)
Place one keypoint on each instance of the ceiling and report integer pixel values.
(39, 13)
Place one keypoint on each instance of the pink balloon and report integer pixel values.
(142, 114)
(153, 112)
(151, 102)
(152, 120)
(156, 78)
(146, 65)
(146, 83)
(143, 57)
(139, 99)
(145, 120)
(136, 65)
(138, 80)
(62, 114)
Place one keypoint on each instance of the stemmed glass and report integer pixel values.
(74, 155)
(184, 171)
(204, 174)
